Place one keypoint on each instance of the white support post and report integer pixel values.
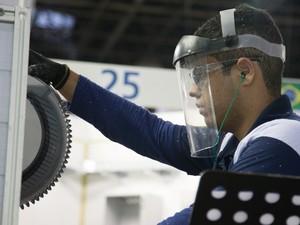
(13, 71)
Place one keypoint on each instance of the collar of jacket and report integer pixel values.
(279, 108)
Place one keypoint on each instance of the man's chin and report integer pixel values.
(209, 122)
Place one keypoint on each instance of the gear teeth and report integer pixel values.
(38, 196)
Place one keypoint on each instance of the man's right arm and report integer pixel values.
(119, 119)
(134, 127)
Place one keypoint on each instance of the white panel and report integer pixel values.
(9, 2)
(6, 43)
(14, 37)
(27, 3)
(123, 210)
(1, 193)
(3, 143)
(4, 95)
(146, 86)
(151, 209)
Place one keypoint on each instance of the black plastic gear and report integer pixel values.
(47, 165)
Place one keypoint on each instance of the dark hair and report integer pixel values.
(250, 20)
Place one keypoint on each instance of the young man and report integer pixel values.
(230, 72)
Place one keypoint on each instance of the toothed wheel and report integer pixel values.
(46, 143)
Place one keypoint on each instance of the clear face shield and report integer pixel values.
(194, 76)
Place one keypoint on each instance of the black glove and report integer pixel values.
(47, 70)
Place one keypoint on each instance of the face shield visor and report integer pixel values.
(194, 80)
(191, 60)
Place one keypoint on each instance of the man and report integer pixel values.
(230, 72)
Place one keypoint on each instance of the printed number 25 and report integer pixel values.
(127, 81)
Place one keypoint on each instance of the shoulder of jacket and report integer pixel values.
(284, 130)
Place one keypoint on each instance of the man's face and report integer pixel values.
(222, 91)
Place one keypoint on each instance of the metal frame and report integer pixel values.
(20, 17)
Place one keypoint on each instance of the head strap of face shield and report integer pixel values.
(192, 44)
(228, 22)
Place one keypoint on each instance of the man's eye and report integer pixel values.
(196, 78)
(197, 74)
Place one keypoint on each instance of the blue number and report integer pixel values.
(114, 78)
(132, 84)
(127, 82)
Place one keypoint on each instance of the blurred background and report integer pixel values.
(141, 32)
(105, 183)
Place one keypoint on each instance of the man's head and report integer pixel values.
(250, 20)
(232, 68)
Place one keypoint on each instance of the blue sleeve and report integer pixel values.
(180, 218)
(268, 155)
(134, 127)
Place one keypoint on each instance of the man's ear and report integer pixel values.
(247, 69)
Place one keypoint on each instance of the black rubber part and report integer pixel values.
(55, 146)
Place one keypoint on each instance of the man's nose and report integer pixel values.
(195, 91)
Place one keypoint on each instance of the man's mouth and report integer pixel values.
(203, 112)
(202, 109)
